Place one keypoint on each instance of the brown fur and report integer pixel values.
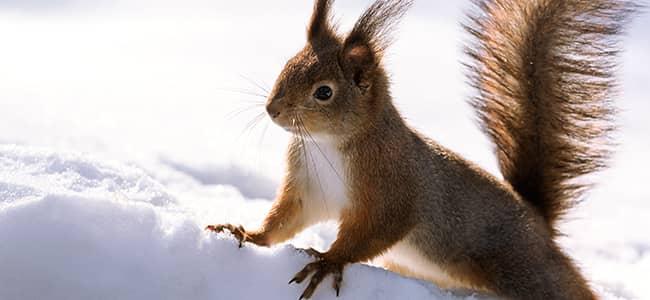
(405, 189)
(544, 95)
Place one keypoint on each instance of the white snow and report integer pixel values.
(121, 137)
(73, 227)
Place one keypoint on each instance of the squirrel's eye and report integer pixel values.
(323, 93)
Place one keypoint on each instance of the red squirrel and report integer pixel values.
(543, 70)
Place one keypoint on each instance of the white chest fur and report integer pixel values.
(325, 187)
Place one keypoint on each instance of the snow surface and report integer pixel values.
(123, 133)
(73, 227)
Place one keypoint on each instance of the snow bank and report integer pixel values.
(75, 227)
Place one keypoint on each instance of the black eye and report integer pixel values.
(323, 93)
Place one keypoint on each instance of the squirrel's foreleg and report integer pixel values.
(363, 235)
(284, 221)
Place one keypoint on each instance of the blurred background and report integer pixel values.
(178, 83)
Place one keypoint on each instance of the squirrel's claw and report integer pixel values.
(336, 282)
(311, 252)
(238, 231)
(308, 269)
(321, 269)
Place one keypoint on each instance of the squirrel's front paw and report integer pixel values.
(238, 231)
(321, 268)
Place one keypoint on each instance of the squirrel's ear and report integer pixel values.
(358, 62)
(364, 46)
(319, 28)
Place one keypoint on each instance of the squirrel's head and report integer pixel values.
(336, 84)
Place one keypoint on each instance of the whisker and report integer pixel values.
(243, 140)
(244, 92)
(329, 162)
(251, 81)
(251, 124)
(238, 111)
(301, 124)
(261, 141)
(266, 127)
(303, 147)
(248, 128)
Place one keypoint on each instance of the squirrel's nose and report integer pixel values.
(273, 110)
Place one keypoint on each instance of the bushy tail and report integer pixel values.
(544, 74)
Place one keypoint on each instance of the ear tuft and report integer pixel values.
(375, 26)
(320, 27)
(366, 43)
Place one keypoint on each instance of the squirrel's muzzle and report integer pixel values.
(273, 110)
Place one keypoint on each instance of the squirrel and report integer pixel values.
(543, 70)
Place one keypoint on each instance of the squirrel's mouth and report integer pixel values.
(293, 125)
(287, 125)
(293, 128)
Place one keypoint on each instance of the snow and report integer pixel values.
(73, 227)
(122, 134)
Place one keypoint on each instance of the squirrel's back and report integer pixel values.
(544, 73)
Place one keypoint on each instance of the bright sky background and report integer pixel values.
(156, 78)
(153, 80)
(117, 63)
